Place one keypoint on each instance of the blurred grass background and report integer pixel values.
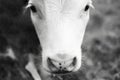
(101, 45)
(102, 41)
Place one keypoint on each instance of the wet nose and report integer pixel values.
(61, 67)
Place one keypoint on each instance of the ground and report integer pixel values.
(101, 45)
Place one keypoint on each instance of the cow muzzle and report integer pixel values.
(61, 66)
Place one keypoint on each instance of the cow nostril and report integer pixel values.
(74, 61)
(50, 63)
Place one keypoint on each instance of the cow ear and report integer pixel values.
(91, 4)
(25, 2)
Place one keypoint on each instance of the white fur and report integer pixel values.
(61, 29)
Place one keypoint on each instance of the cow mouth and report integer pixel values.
(62, 72)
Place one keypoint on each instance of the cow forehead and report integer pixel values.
(61, 3)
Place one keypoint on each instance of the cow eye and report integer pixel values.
(86, 8)
(33, 8)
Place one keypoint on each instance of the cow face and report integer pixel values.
(60, 26)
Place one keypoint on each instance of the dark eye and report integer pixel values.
(86, 8)
(33, 8)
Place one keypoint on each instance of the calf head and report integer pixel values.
(60, 26)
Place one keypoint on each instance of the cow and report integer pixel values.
(60, 26)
